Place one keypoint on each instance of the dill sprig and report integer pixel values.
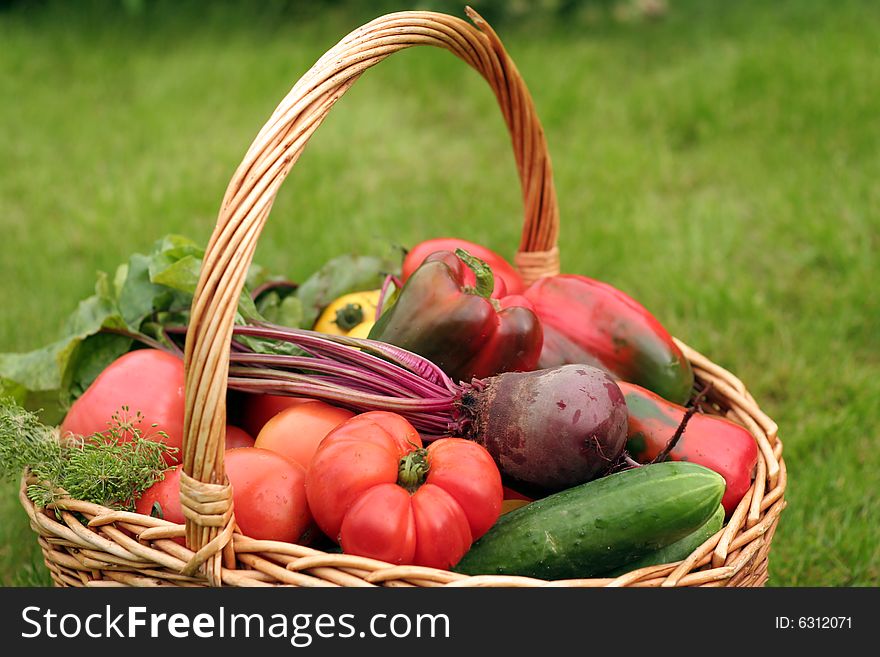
(111, 468)
(26, 442)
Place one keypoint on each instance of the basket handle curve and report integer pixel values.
(205, 493)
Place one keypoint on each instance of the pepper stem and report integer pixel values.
(485, 280)
(413, 469)
(349, 316)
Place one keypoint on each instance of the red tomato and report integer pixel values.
(147, 381)
(297, 431)
(237, 437)
(507, 279)
(378, 493)
(256, 409)
(269, 495)
(165, 493)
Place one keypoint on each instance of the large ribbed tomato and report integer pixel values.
(374, 489)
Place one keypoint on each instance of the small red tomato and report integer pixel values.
(379, 494)
(507, 279)
(268, 491)
(254, 410)
(297, 431)
(162, 500)
(237, 437)
(148, 382)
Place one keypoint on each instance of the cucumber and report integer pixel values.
(590, 529)
(679, 550)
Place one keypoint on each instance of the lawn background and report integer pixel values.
(720, 164)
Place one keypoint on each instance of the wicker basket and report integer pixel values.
(127, 549)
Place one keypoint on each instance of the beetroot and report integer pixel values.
(549, 429)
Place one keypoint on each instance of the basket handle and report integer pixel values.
(204, 491)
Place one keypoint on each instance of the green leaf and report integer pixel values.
(136, 299)
(119, 280)
(179, 244)
(38, 378)
(37, 369)
(181, 275)
(268, 346)
(44, 368)
(94, 312)
(283, 310)
(165, 279)
(258, 275)
(246, 308)
(51, 376)
(175, 262)
(92, 356)
(13, 391)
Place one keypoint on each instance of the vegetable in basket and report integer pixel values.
(467, 333)
(677, 551)
(712, 441)
(297, 431)
(252, 412)
(268, 495)
(148, 380)
(507, 279)
(375, 490)
(588, 321)
(351, 314)
(162, 500)
(237, 437)
(592, 529)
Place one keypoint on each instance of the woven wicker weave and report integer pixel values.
(127, 549)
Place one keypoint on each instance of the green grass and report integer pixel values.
(720, 165)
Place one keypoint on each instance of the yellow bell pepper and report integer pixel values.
(351, 314)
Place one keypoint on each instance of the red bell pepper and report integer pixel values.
(707, 440)
(587, 321)
(507, 279)
(460, 327)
